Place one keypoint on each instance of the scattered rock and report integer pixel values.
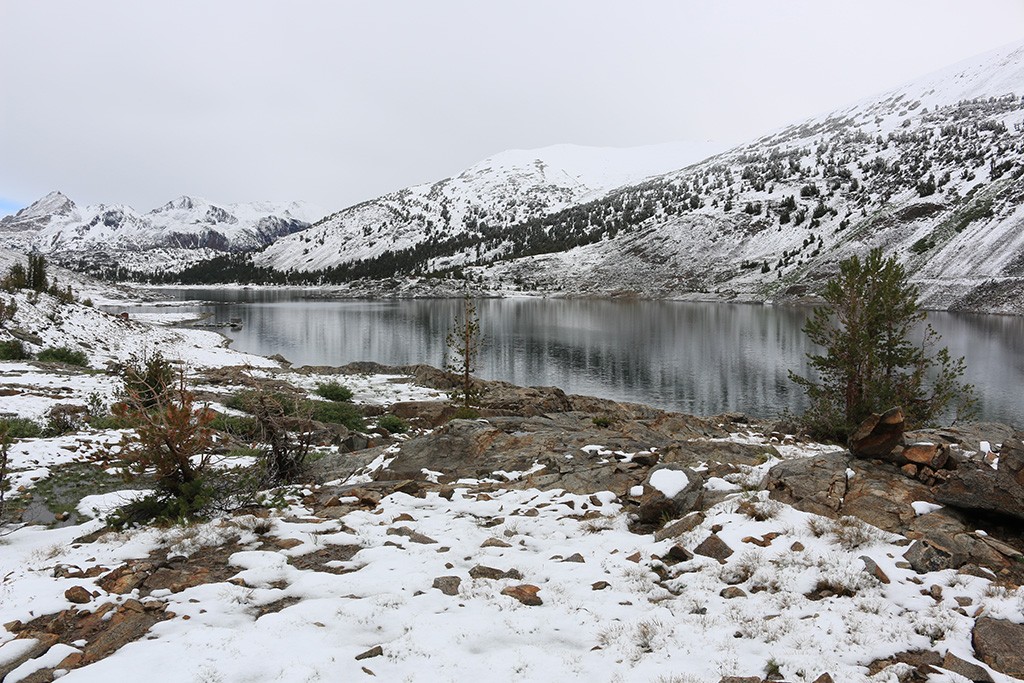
(686, 487)
(714, 547)
(872, 568)
(412, 535)
(375, 651)
(78, 595)
(449, 585)
(823, 678)
(524, 593)
(968, 670)
(680, 526)
(733, 592)
(575, 557)
(997, 642)
(482, 572)
(599, 585)
(495, 543)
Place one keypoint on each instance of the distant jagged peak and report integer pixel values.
(183, 203)
(55, 202)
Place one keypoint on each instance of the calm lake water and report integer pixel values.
(693, 357)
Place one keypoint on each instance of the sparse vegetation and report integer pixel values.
(333, 391)
(393, 424)
(63, 354)
(13, 349)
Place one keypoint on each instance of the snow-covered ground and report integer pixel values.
(410, 575)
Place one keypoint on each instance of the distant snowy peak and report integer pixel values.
(55, 223)
(596, 168)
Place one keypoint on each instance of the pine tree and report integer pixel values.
(464, 343)
(870, 362)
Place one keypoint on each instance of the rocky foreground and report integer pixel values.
(555, 538)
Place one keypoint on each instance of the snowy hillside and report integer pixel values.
(88, 235)
(932, 171)
(507, 189)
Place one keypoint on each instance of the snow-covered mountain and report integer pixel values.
(186, 227)
(933, 171)
(504, 190)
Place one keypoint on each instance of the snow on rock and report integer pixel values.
(669, 482)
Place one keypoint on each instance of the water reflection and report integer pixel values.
(697, 358)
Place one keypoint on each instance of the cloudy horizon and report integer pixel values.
(334, 103)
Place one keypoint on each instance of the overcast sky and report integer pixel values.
(336, 102)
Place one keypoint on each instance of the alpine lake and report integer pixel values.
(698, 358)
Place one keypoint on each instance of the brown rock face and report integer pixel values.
(878, 435)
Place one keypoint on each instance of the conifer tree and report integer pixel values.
(871, 362)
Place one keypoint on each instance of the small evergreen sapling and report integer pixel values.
(464, 344)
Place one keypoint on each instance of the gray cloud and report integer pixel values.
(336, 102)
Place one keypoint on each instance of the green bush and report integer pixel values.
(335, 413)
(393, 424)
(13, 349)
(108, 421)
(602, 421)
(190, 501)
(63, 354)
(464, 413)
(242, 427)
(333, 391)
(20, 428)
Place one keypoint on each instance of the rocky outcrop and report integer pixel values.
(837, 485)
(998, 643)
(978, 487)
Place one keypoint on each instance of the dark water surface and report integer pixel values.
(700, 358)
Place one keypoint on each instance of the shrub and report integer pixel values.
(336, 413)
(64, 418)
(172, 438)
(393, 424)
(20, 428)
(63, 354)
(241, 427)
(164, 507)
(464, 413)
(333, 391)
(13, 349)
(602, 421)
(147, 378)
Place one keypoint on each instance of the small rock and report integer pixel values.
(714, 547)
(78, 595)
(599, 585)
(968, 670)
(483, 572)
(871, 567)
(449, 585)
(413, 536)
(823, 678)
(910, 470)
(680, 526)
(375, 651)
(797, 547)
(733, 592)
(495, 543)
(524, 593)
(575, 557)
(679, 553)
(446, 492)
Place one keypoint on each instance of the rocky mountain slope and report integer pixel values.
(489, 198)
(181, 231)
(931, 171)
